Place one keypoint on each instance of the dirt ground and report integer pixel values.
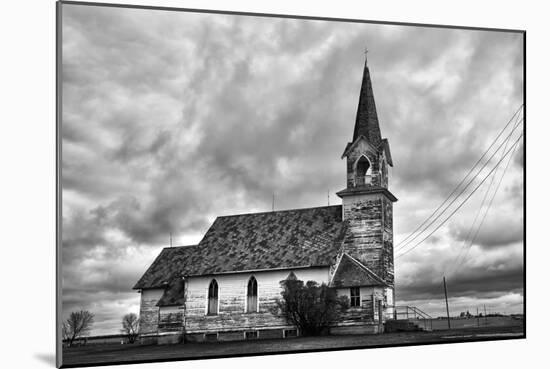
(110, 354)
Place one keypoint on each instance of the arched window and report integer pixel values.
(213, 298)
(363, 171)
(252, 296)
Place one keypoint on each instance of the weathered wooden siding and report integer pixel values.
(171, 319)
(232, 313)
(369, 237)
(149, 311)
(387, 239)
(367, 313)
(389, 301)
(364, 236)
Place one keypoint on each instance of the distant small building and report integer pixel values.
(223, 287)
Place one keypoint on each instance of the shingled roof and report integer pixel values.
(248, 242)
(167, 266)
(366, 121)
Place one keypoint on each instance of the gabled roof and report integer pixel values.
(250, 242)
(351, 145)
(385, 146)
(351, 273)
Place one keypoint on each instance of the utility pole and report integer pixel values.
(485, 313)
(477, 314)
(446, 302)
(328, 198)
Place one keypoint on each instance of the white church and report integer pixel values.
(223, 288)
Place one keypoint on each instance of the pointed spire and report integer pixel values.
(366, 122)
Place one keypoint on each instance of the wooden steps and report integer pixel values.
(401, 325)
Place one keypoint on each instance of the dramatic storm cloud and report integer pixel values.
(171, 119)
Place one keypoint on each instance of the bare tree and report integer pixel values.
(65, 331)
(130, 325)
(78, 325)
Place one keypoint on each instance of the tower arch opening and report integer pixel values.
(363, 171)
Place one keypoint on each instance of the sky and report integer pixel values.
(170, 119)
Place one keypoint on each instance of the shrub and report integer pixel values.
(310, 306)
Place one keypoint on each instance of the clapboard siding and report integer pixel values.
(387, 272)
(149, 311)
(171, 319)
(232, 308)
(364, 236)
(232, 300)
(367, 313)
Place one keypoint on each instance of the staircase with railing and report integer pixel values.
(408, 318)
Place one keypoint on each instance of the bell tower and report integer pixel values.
(367, 203)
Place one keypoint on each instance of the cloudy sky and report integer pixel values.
(171, 119)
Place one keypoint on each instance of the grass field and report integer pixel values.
(108, 354)
(504, 321)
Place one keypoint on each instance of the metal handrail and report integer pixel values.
(416, 314)
(425, 317)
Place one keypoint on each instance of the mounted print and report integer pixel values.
(246, 184)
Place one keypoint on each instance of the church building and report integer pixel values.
(224, 287)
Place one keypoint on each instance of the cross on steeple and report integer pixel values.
(366, 52)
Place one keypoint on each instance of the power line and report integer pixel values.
(463, 248)
(470, 231)
(462, 181)
(489, 206)
(462, 203)
(402, 245)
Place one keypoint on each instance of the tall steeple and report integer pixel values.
(366, 121)
(368, 154)
(367, 203)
